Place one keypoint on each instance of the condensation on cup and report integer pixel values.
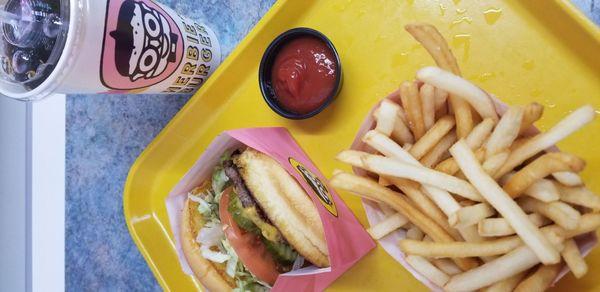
(101, 46)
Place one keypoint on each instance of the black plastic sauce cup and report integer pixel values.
(266, 66)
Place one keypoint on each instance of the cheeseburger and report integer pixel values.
(251, 222)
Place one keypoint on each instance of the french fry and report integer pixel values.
(423, 203)
(540, 280)
(387, 226)
(386, 116)
(580, 196)
(409, 93)
(431, 39)
(568, 178)
(387, 147)
(384, 182)
(402, 115)
(562, 129)
(471, 215)
(540, 168)
(450, 166)
(352, 157)
(336, 171)
(441, 108)
(519, 142)
(457, 86)
(427, 94)
(394, 168)
(491, 227)
(573, 259)
(543, 190)
(494, 162)
(428, 270)
(589, 222)
(562, 214)
(504, 179)
(467, 203)
(506, 285)
(459, 249)
(437, 153)
(500, 200)
(475, 140)
(505, 132)
(554, 238)
(438, 48)
(510, 264)
(401, 133)
(444, 200)
(446, 266)
(369, 189)
(414, 233)
(480, 134)
(518, 260)
(432, 137)
(470, 234)
(532, 113)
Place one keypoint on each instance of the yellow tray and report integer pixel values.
(519, 50)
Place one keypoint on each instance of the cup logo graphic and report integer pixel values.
(317, 185)
(142, 45)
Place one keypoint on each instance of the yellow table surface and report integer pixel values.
(521, 51)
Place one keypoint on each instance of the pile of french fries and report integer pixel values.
(484, 203)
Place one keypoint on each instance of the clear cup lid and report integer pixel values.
(33, 34)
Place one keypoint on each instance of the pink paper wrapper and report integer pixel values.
(347, 240)
(389, 243)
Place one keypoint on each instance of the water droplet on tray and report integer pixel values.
(465, 19)
(443, 9)
(464, 41)
(492, 15)
(549, 104)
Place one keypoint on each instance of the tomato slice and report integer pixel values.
(248, 247)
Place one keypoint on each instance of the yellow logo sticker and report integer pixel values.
(317, 185)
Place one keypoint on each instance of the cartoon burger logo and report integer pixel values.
(143, 45)
(317, 185)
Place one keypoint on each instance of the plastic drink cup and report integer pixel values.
(101, 46)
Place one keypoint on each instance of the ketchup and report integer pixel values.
(304, 74)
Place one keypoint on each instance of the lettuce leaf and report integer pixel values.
(220, 181)
(282, 252)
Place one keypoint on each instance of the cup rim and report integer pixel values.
(267, 60)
